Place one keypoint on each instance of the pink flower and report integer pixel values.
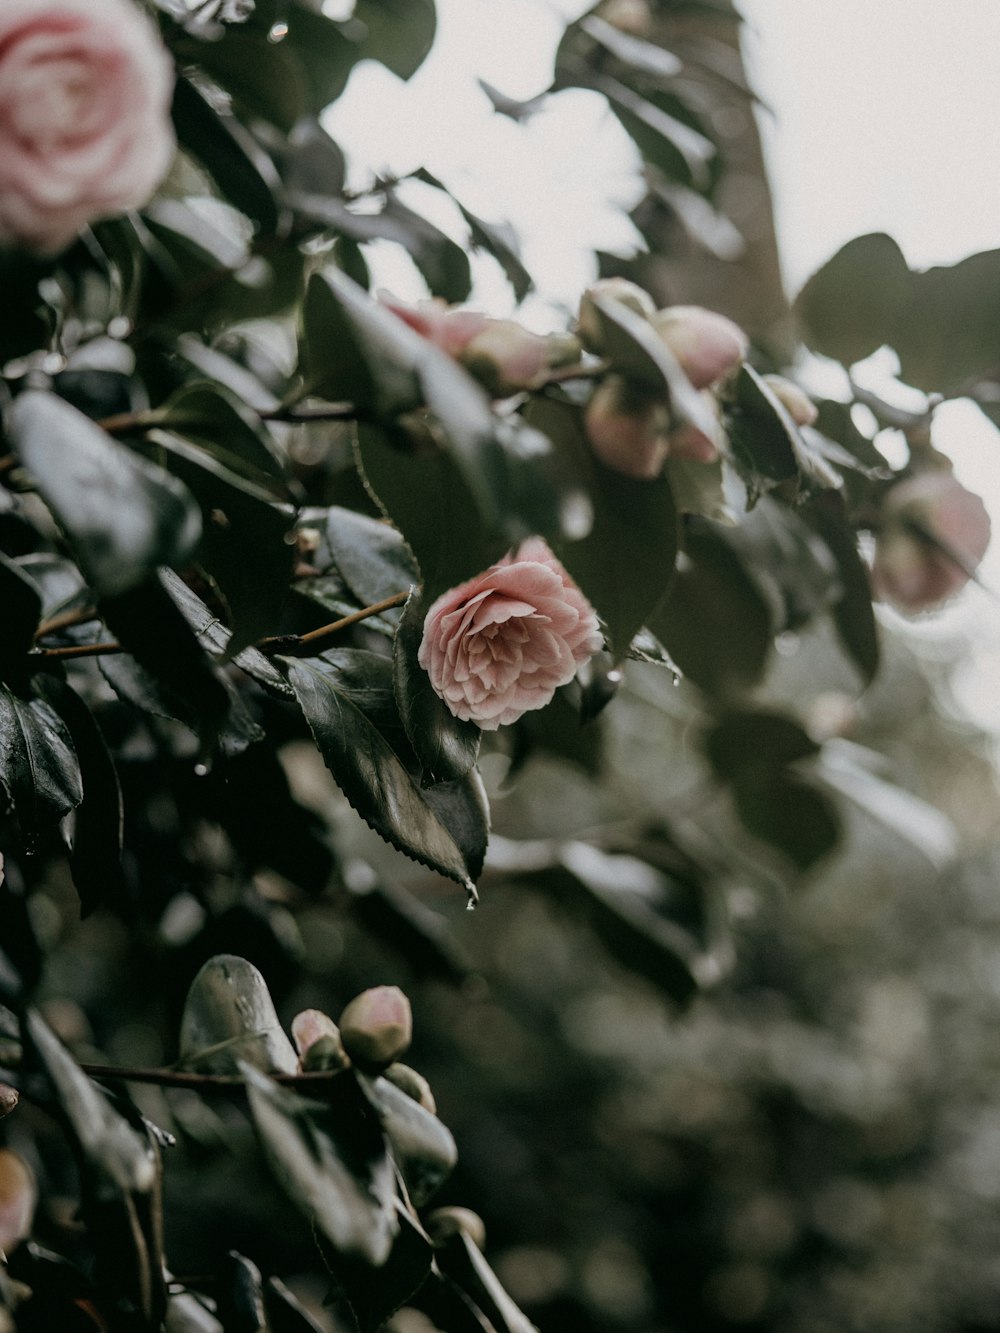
(85, 132)
(377, 1027)
(501, 644)
(501, 354)
(708, 346)
(910, 571)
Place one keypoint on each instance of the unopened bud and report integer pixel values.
(8, 1099)
(18, 1197)
(692, 444)
(627, 428)
(317, 1040)
(413, 1084)
(708, 345)
(446, 1222)
(376, 1027)
(506, 358)
(621, 290)
(796, 402)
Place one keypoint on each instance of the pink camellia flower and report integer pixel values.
(708, 346)
(910, 571)
(501, 644)
(505, 357)
(85, 132)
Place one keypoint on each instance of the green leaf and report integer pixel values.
(947, 335)
(422, 1146)
(400, 33)
(122, 515)
(244, 547)
(344, 1185)
(767, 442)
(851, 306)
(216, 419)
(149, 625)
(680, 151)
(369, 773)
(442, 261)
(463, 807)
(446, 746)
(715, 622)
(460, 1259)
(39, 769)
(120, 1179)
(244, 173)
(370, 555)
(791, 814)
(745, 741)
(625, 563)
(265, 79)
(229, 1020)
(22, 604)
(853, 614)
(96, 842)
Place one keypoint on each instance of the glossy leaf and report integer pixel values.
(851, 306)
(122, 515)
(369, 773)
(370, 554)
(853, 614)
(422, 1146)
(39, 769)
(22, 605)
(215, 418)
(229, 1020)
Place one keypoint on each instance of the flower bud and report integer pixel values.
(708, 345)
(413, 1084)
(627, 428)
(446, 1222)
(9, 1098)
(691, 444)
(634, 17)
(317, 1040)
(796, 402)
(506, 358)
(376, 1027)
(910, 569)
(588, 322)
(18, 1197)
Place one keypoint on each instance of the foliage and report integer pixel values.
(233, 483)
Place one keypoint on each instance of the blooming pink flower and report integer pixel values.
(909, 571)
(501, 644)
(85, 132)
(708, 345)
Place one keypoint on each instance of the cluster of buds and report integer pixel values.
(501, 354)
(630, 428)
(375, 1029)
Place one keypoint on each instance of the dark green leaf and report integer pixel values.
(229, 1020)
(851, 306)
(344, 1185)
(120, 1176)
(22, 605)
(370, 554)
(715, 622)
(461, 1260)
(369, 773)
(422, 1146)
(367, 1298)
(680, 151)
(399, 32)
(96, 843)
(463, 808)
(265, 79)
(122, 515)
(285, 1311)
(240, 1296)
(442, 262)
(215, 418)
(852, 613)
(746, 742)
(791, 814)
(446, 746)
(243, 545)
(39, 769)
(626, 562)
(242, 170)
(768, 445)
(946, 334)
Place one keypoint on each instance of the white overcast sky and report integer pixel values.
(884, 115)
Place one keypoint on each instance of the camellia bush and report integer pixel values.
(275, 547)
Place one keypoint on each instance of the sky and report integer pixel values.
(882, 115)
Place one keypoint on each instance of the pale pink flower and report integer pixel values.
(85, 132)
(911, 572)
(708, 345)
(627, 429)
(501, 644)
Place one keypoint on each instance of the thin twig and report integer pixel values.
(66, 620)
(281, 642)
(183, 1078)
(123, 423)
(81, 650)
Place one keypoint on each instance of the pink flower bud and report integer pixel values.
(627, 429)
(501, 644)
(708, 346)
(446, 1222)
(796, 402)
(317, 1040)
(9, 1098)
(628, 294)
(18, 1197)
(910, 571)
(689, 442)
(632, 16)
(376, 1027)
(449, 327)
(413, 1084)
(506, 358)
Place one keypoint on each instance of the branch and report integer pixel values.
(66, 621)
(124, 423)
(183, 1078)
